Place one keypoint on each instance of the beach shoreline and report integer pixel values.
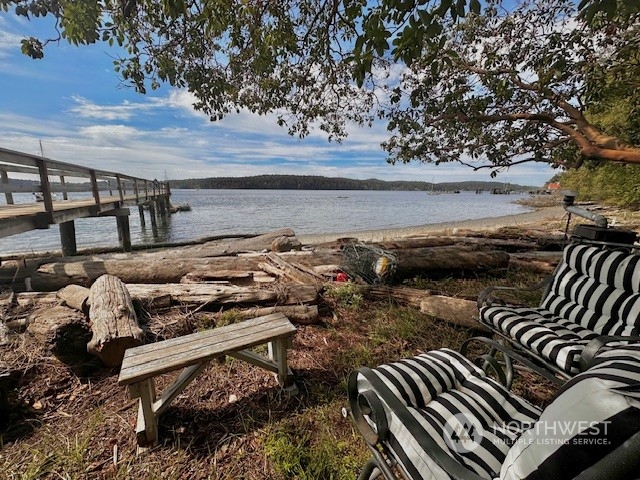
(538, 216)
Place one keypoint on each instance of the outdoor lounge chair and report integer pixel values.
(438, 416)
(592, 298)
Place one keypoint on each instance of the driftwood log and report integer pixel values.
(303, 314)
(113, 320)
(415, 261)
(63, 331)
(456, 311)
(278, 266)
(215, 294)
(54, 276)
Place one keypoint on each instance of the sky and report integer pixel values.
(74, 105)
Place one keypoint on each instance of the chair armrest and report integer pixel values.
(485, 296)
(592, 349)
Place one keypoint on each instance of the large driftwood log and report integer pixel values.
(54, 276)
(456, 311)
(145, 269)
(113, 320)
(446, 259)
(215, 294)
(62, 330)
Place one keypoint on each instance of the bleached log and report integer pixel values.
(202, 293)
(456, 311)
(113, 320)
(280, 267)
(54, 276)
(75, 296)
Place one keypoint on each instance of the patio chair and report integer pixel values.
(439, 416)
(592, 299)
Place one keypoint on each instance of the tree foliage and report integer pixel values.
(486, 84)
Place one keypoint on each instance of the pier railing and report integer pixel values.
(68, 178)
(107, 193)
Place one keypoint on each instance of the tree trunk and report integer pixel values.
(404, 295)
(456, 311)
(113, 320)
(63, 331)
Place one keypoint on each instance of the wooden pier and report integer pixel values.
(97, 193)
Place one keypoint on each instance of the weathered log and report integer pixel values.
(63, 331)
(214, 294)
(416, 242)
(113, 320)
(4, 333)
(285, 244)
(76, 297)
(456, 311)
(304, 314)
(277, 265)
(54, 276)
(447, 259)
(403, 295)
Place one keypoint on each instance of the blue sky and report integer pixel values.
(72, 101)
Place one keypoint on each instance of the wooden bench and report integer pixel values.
(193, 352)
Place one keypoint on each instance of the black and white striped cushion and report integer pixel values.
(553, 338)
(422, 397)
(591, 416)
(597, 289)
(594, 292)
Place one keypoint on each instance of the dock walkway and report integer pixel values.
(98, 193)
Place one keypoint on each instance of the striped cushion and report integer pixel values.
(597, 289)
(592, 415)
(553, 338)
(432, 396)
(594, 292)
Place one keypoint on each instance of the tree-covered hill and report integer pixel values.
(312, 182)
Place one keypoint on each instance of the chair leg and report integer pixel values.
(370, 471)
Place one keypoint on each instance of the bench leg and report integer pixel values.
(278, 355)
(147, 427)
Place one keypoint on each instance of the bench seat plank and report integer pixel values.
(151, 360)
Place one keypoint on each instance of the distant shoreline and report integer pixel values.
(481, 224)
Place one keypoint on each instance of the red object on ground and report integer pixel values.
(342, 277)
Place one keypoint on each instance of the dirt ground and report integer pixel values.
(233, 421)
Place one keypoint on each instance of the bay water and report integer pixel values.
(231, 212)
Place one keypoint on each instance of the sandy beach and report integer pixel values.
(538, 216)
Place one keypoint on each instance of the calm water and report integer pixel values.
(219, 212)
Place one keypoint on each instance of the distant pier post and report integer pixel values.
(68, 238)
